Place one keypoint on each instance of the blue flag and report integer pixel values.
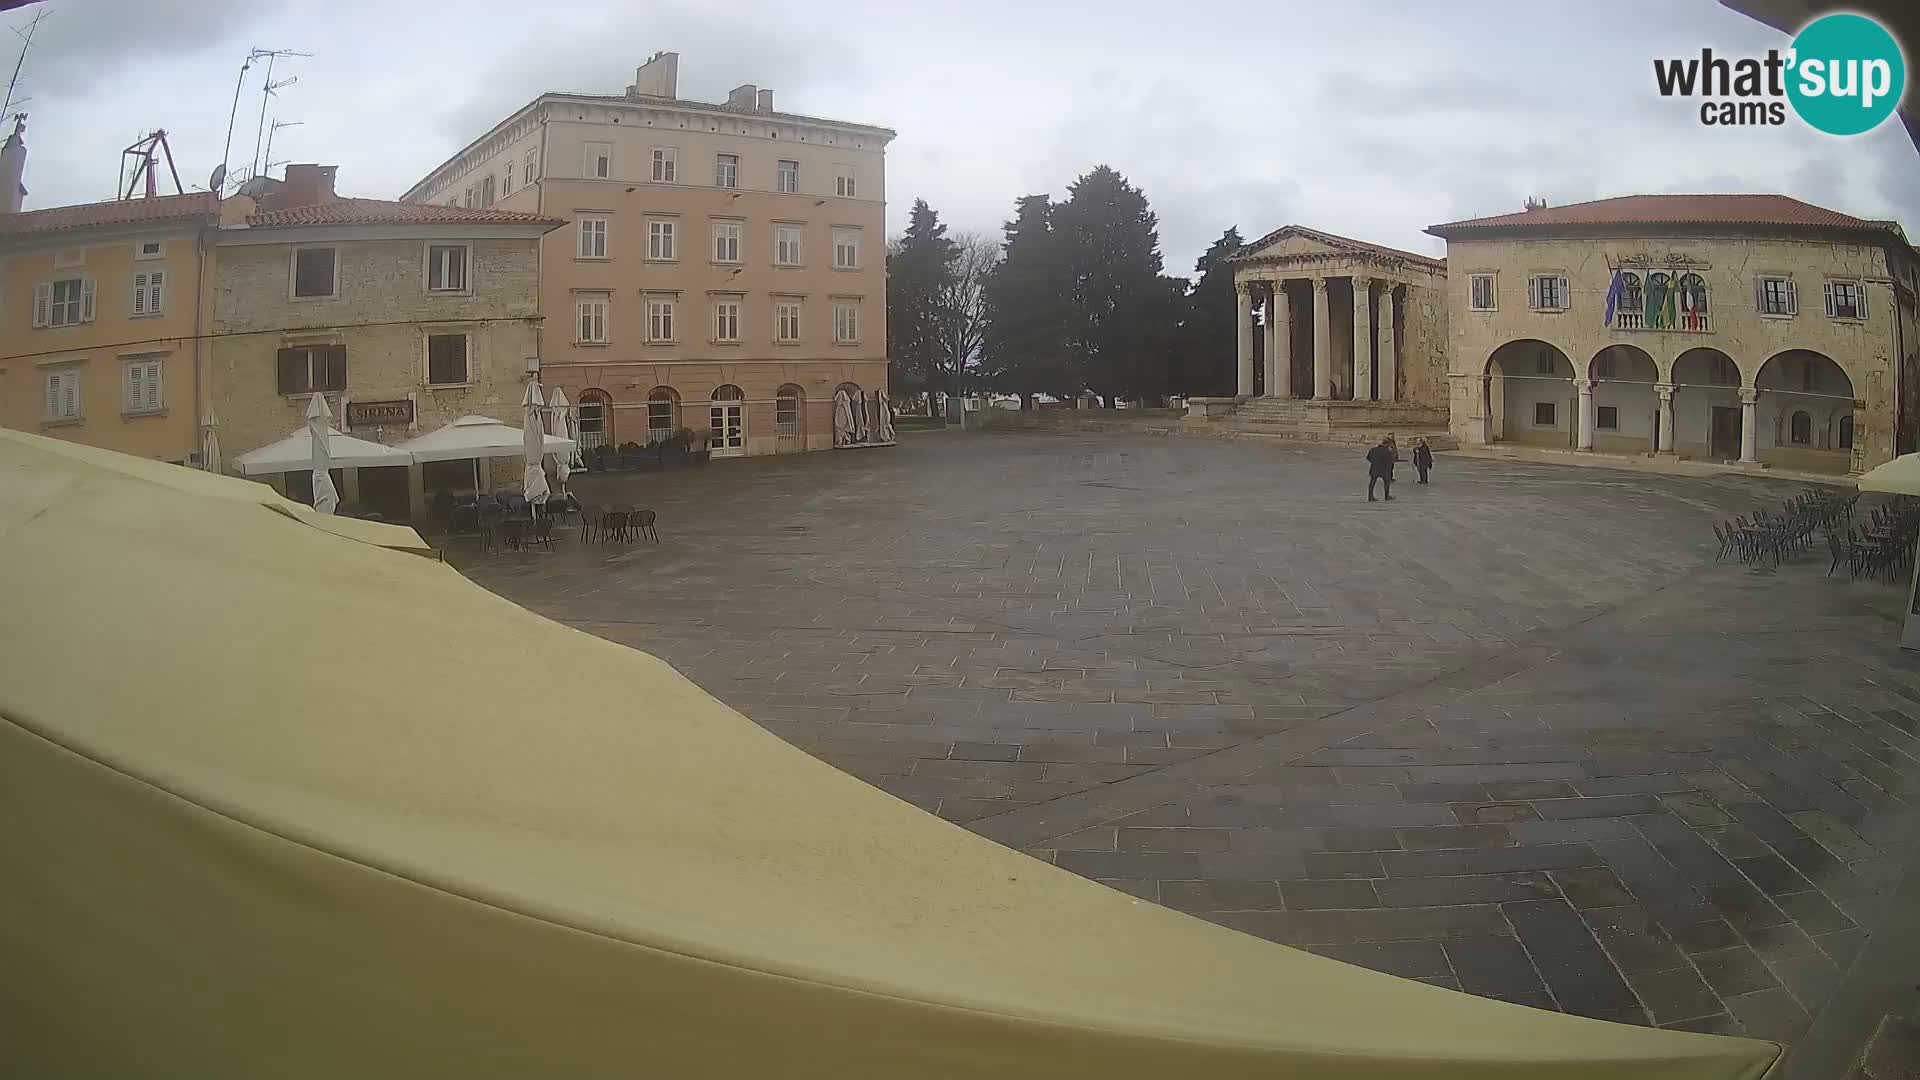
(1613, 297)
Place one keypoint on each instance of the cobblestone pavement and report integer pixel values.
(1514, 733)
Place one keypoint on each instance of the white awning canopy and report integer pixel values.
(295, 454)
(477, 437)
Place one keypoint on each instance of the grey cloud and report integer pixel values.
(94, 46)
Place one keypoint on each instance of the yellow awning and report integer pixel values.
(277, 804)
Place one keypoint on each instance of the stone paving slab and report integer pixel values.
(1514, 734)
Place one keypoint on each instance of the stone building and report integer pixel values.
(1740, 328)
(725, 264)
(406, 317)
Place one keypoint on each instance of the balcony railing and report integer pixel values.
(1685, 322)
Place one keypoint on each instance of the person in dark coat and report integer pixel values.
(1422, 459)
(1380, 461)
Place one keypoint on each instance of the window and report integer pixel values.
(1480, 288)
(141, 386)
(506, 181)
(150, 249)
(1846, 300)
(726, 170)
(726, 321)
(63, 395)
(663, 413)
(599, 162)
(659, 321)
(786, 245)
(1724, 373)
(307, 369)
(1543, 414)
(313, 272)
(786, 411)
(486, 192)
(666, 165)
(1543, 363)
(660, 240)
(1547, 292)
(1633, 295)
(1801, 428)
(470, 198)
(67, 302)
(846, 249)
(846, 323)
(843, 182)
(447, 360)
(1846, 432)
(1777, 298)
(786, 176)
(726, 242)
(1693, 302)
(786, 321)
(529, 166)
(1606, 418)
(593, 418)
(149, 292)
(592, 232)
(1603, 366)
(590, 315)
(446, 268)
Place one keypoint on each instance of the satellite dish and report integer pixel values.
(218, 178)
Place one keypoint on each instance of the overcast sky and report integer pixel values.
(1371, 120)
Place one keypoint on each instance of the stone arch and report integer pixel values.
(594, 414)
(1530, 394)
(1626, 409)
(1801, 398)
(1707, 414)
(663, 413)
(790, 412)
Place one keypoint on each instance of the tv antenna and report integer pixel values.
(253, 55)
(26, 36)
(272, 130)
(145, 167)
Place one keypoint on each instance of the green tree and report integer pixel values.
(1124, 311)
(1207, 348)
(1029, 309)
(919, 278)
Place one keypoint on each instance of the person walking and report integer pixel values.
(1380, 461)
(1422, 458)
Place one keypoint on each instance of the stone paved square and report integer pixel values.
(1515, 733)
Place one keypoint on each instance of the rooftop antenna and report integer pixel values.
(267, 88)
(233, 114)
(272, 130)
(142, 154)
(26, 34)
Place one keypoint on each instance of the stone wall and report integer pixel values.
(1423, 346)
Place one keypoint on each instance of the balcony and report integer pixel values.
(1685, 322)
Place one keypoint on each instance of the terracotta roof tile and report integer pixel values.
(160, 208)
(386, 212)
(1760, 210)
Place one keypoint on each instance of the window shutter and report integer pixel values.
(53, 396)
(336, 367)
(139, 295)
(42, 301)
(1565, 298)
(1829, 289)
(136, 390)
(153, 385)
(86, 300)
(291, 362)
(1760, 295)
(1793, 301)
(70, 393)
(1860, 291)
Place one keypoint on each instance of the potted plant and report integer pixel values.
(675, 447)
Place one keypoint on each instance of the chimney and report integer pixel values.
(766, 101)
(13, 166)
(307, 185)
(659, 77)
(745, 96)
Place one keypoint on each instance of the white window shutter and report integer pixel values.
(1565, 298)
(1860, 291)
(1829, 290)
(156, 281)
(1760, 294)
(139, 295)
(132, 394)
(42, 302)
(153, 385)
(1793, 301)
(53, 396)
(70, 395)
(86, 300)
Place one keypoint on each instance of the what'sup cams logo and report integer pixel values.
(1843, 75)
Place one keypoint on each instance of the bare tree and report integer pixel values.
(963, 308)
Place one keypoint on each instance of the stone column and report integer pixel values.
(1389, 364)
(1279, 354)
(1322, 346)
(1664, 428)
(1583, 439)
(1749, 397)
(1362, 339)
(1244, 312)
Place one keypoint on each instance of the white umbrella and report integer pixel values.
(295, 454)
(320, 427)
(533, 439)
(886, 416)
(842, 418)
(476, 437)
(210, 444)
(560, 420)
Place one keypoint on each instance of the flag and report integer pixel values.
(1613, 297)
(1667, 315)
(1655, 293)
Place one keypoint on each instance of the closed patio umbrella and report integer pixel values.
(842, 418)
(320, 428)
(560, 423)
(210, 444)
(533, 436)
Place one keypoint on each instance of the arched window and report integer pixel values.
(486, 192)
(788, 412)
(663, 413)
(1846, 432)
(1693, 302)
(596, 419)
(1632, 297)
(1658, 285)
(1802, 428)
(728, 423)
(729, 392)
